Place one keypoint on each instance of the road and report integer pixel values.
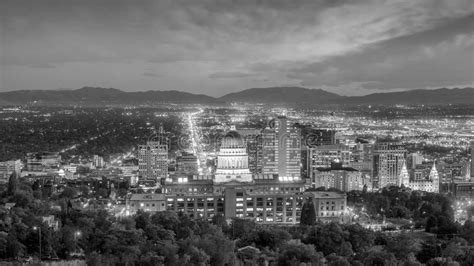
(196, 145)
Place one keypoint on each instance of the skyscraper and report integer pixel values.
(281, 149)
(389, 158)
(153, 160)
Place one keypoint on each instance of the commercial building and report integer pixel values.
(389, 158)
(322, 157)
(281, 149)
(187, 163)
(153, 161)
(253, 141)
(341, 178)
(98, 161)
(41, 161)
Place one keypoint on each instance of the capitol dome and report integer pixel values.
(232, 140)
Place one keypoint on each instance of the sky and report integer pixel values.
(216, 47)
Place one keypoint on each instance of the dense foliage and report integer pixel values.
(173, 238)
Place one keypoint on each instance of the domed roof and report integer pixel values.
(232, 140)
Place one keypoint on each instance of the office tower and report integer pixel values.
(98, 161)
(153, 160)
(389, 158)
(281, 149)
(252, 139)
(232, 160)
(310, 138)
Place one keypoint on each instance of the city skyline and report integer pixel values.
(216, 48)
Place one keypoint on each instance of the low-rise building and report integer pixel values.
(329, 206)
(149, 202)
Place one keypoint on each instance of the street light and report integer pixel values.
(77, 234)
(35, 228)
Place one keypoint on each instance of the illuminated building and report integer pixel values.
(253, 141)
(98, 161)
(323, 156)
(281, 149)
(389, 158)
(429, 183)
(153, 160)
(232, 160)
(145, 202)
(234, 192)
(340, 177)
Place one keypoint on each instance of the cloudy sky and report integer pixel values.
(216, 47)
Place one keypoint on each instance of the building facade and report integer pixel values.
(429, 183)
(232, 160)
(153, 160)
(146, 202)
(281, 149)
(389, 158)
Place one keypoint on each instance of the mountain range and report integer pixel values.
(101, 96)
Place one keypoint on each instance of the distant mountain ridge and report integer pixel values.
(91, 95)
(291, 95)
(282, 95)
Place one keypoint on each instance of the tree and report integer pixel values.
(294, 253)
(12, 184)
(380, 258)
(401, 245)
(308, 214)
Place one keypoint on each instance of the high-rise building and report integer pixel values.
(153, 160)
(310, 138)
(98, 161)
(389, 158)
(253, 139)
(281, 149)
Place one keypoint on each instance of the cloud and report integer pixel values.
(154, 75)
(441, 57)
(309, 41)
(224, 75)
